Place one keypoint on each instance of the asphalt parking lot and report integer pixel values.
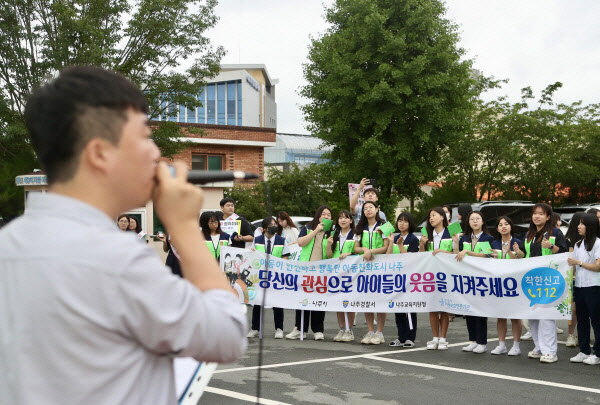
(332, 373)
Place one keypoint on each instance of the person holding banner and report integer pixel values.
(586, 291)
(341, 245)
(507, 247)
(437, 239)
(211, 229)
(404, 242)
(275, 245)
(543, 239)
(313, 241)
(369, 242)
(474, 243)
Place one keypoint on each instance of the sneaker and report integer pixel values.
(593, 360)
(514, 351)
(548, 358)
(499, 350)
(579, 358)
(409, 343)
(470, 347)
(252, 334)
(443, 345)
(348, 336)
(534, 355)
(397, 343)
(377, 339)
(294, 334)
(338, 337)
(480, 349)
(432, 345)
(367, 338)
(319, 336)
(571, 341)
(279, 334)
(559, 330)
(527, 336)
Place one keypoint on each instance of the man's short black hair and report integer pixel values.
(82, 103)
(371, 190)
(226, 200)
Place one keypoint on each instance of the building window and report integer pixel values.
(207, 162)
(201, 117)
(221, 103)
(231, 103)
(210, 104)
(239, 102)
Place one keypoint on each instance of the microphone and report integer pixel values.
(212, 176)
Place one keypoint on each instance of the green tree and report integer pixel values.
(145, 40)
(388, 89)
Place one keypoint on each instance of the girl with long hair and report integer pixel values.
(211, 229)
(287, 228)
(586, 291)
(370, 242)
(573, 237)
(543, 239)
(438, 240)
(313, 240)
(341, 245)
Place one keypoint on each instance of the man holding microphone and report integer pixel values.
(87, 313)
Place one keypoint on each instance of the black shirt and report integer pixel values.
(245, 230)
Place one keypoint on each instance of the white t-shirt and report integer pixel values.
(585, 277)
(437, 239)
(290, 234)
(215, 240)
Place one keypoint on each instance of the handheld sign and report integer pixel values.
(486, 247)
(424, 231)
(454, 228)
(387, 229)
(327, 224)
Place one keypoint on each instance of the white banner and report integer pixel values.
(534, 288)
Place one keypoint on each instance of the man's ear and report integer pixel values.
(98, 154)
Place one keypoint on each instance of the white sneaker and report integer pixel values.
(396, 343)
(348, 336)
(338, 337)
(367, 338)
(294, 334)
(409, 343)
(593, 360)
(548, 358)
(443, 345)
(579, 358)
(499, 350)
(279, 334)
(319, 336)
(377, 339)
(470, 347)
(514, 351)
(252, 334)
(527, 336)
(571, 341)
(480, 349)
(534, 355)
(432, 345)
(559, 330)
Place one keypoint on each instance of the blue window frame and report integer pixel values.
(231, 101)
(221, 103)
(210, 104)
(201, 117)
(239, 102)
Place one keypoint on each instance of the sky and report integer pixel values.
(530, 42)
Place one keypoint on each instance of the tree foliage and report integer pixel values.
(388, 90)
(145, 40)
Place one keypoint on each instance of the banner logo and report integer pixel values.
(345, 303)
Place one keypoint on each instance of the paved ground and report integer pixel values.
(327, 372)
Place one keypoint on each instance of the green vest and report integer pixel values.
(276, 250)
(545, 252)
(347, 248)
(307, 249)
(371, 240)
(467, 246)
(396, 249)
(211, 248)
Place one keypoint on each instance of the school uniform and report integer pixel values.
(314, 250)
(441, 240)
(476, 325)
(543, 331)
(275, 246)
(411, 244)
(586, 295)
(345, 244)
(504, 248)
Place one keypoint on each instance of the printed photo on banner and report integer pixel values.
(532, 288)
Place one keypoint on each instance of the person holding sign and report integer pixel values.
(436, 239)
(586, 291)
(507, 247)
(369, 242)
(341, 245)
(211, 229)
(404, 242)
(275, 245)
(238, 239)
(370, 194)
(543, 239)
(313, 241)
(475, 242)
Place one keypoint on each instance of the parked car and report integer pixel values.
(566, 211)
(518, 211)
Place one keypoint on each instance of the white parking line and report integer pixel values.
(243, 397)
(485, 374)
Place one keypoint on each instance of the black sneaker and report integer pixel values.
(396, 343)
